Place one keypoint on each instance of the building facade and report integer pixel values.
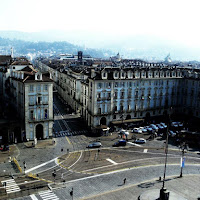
(30, 93)
(130, 90)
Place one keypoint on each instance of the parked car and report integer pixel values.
(4, 148)
(149, 129)
(94, 145)
(140, 141)
(135, 130)
(154, 127)
(172, 133)
(163, 124)
(143, 129)
(120, 143)
(174, 124)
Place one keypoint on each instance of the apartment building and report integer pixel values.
(30, 93)
(133, 89)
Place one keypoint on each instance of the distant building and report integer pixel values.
(134, 89)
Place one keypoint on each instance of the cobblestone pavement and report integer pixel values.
(111, 186)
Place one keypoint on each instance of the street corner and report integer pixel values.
(6, 156)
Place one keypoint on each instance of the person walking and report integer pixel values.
(124, 181)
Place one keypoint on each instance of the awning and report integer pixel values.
(127, 121)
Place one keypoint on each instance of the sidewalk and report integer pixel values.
(186, 187)
(40, 144)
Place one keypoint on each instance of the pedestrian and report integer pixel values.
(124, 181)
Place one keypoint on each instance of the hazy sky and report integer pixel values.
(173, 19)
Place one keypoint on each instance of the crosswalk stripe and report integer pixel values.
(33, 197)
(8, 181)
(48, 195)
(11, 186)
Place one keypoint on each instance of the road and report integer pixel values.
(89, 171)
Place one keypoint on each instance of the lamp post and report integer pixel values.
(182, 147)
(164, 195)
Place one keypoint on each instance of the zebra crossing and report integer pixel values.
(48, 195)
(10, 186)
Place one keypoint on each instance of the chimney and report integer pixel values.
(93, 73)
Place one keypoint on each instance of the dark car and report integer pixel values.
(120, 143)
(94, 145)
(4, 148)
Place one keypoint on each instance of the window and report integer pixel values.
(45, 113)
(31, 100)
(116, 74)
(38, 88)
(104, 74)
(38, 77)
(31, 114)
(114, 116)
(45, 87)
(39, 101)
(99, 110)
(45, 99)
(116, 84)
(130, 84)
(99, 85)
(31, 88)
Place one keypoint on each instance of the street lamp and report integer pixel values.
(182, 147)
(164, 195)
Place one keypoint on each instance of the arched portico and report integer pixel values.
(103, 121)
(39, 132)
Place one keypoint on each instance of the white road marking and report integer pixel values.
(76, 161)
(113, 162)
(33, 197)
(132, 143)
(130, 161)
(11, 186)
(38, 166)
(48, 195)
(145, 150)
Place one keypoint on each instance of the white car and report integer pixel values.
(144, 130)
(140, 141)
(135, 130)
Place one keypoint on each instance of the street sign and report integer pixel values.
(182, 162)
